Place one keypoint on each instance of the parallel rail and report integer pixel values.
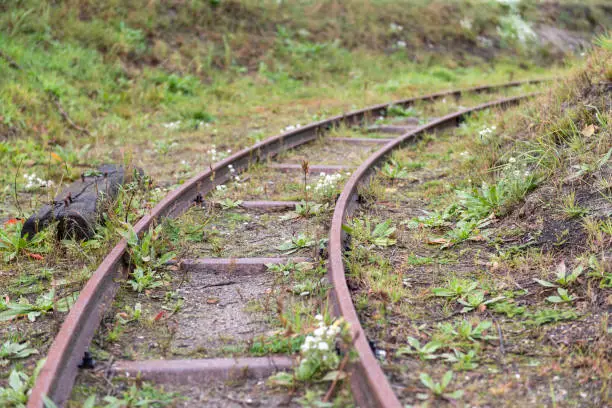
(56, 379)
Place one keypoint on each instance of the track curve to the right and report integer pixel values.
(368, 382)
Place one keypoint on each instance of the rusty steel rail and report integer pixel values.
(368, 382)
(57, 376)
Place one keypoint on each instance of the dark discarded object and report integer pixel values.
(78, 207)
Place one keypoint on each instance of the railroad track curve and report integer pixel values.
(57, 376)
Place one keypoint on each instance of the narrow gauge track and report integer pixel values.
(369, 385)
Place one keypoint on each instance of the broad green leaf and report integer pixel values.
(448, 376)
(545, 283)
(16, 380)
(333, 375)
(48, 402)
(455, 394)
(427, 381)
(90, 402)
(64, 304)
(414, 343)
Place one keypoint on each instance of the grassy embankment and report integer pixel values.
(504, 284)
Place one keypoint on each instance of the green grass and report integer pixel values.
(121, 70)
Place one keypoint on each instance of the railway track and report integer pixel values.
(246, 261)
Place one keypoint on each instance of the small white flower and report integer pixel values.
(395, 27)
(319, 317)
(323, 346)
(319, 332)
(401, 44)
(511, 160)
(466, 23)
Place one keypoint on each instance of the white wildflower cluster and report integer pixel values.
(319, 353)
(290, 128)
(400, 44)
(155, 195)
(172, 125)
(484, 42)
(232, 170)
(513, 27)
(515, 170)
(466, 23)
(33, 182)
(327, 181)
(487, 131)
(326, 185)
(395, 28)
(216, 155)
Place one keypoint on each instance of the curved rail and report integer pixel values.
(57, 376)
(369, 384)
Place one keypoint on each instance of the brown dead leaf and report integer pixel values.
(438, 241)
(38, 257)
(588, 131)
(502, 389)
